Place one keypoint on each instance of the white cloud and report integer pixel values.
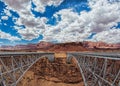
(104, 14)
(18, 4)
(67, 30)
(74, 27)
(41, 4)
(33, 29)
(23, 8)
(7, 36)
(33, 26)
(4, 17)
(111, 36)
(7, 12)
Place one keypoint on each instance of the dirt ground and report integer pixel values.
(31, 80)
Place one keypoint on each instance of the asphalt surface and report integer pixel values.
(97, 55)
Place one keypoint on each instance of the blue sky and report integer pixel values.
(32, 21)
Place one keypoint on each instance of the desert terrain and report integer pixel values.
(57, 73)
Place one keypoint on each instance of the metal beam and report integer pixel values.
(98, 65)
(16, 64)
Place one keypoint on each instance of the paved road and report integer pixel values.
(24, 53)
(98, 54)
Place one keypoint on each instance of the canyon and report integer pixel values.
(57, 73)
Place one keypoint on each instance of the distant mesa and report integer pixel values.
(101, 45)
(44, 44)
(71, 46)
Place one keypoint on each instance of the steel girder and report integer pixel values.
(14, 65)
(98, 69)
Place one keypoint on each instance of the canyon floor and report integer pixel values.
(57, 73)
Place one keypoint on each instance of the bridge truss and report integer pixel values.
(14, 65)
(98, 69)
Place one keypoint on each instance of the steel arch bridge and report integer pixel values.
(14, 65)
(97, 69)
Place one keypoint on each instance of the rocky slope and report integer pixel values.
(72, 46)
(100, 45)
(43, 45)
(57, 73)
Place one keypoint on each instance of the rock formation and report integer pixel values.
(72, 46)
(57, 73)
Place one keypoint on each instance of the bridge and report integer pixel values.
(97, 69)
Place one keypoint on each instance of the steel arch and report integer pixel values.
(14, 65)
(98, 69)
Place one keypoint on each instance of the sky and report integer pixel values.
(59, 21)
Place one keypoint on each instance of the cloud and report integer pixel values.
(103, 16)
(23, 8)
(7, 12)
(33, 26)
(4, 17)
(18, 4)
(7, 36)
(67, 30)
(74, 27)
(41, 4)
(111, 36)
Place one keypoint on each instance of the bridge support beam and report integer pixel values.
(98, 70)
(14, 66)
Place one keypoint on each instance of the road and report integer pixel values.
(98, 54)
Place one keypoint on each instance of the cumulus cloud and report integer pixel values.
(8, 36)
(22, 7)
(33, 26)
(111, 36)
(104, 14)
(41, 4)
(18, 4)
(74, 27)
(67, 30)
